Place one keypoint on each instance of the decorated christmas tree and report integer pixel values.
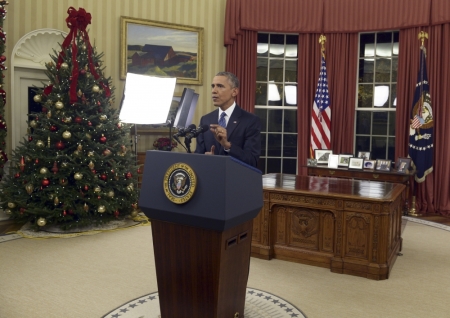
(74, 168)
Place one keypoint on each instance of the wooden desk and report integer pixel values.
(375, 175)
(350, 226)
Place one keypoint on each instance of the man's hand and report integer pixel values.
(220, 134)
(212, 151)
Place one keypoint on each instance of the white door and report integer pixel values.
(24, 80)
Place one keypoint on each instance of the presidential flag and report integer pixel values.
(421, 124)
(321, 114)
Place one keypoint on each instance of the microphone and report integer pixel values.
(198, 131)
(183, 131)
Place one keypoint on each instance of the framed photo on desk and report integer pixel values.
(344, 160)
(403, 165)
(356, 163)
(383, 165)
(322, 155)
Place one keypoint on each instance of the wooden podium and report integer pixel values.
(202, 247)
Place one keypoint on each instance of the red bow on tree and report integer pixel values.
(78, 21)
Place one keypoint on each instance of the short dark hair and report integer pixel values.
(234, 81)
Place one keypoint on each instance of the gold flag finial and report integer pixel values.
(322, 40)
(422, 36)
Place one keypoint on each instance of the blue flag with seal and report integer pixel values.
(421, 125)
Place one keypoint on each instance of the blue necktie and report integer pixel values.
(222, 121)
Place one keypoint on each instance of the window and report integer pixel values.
(276, 101)
(377, 92)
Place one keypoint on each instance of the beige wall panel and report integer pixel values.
(25, 16)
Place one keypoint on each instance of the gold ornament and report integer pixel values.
(64, 65)
(90, 153)
(41, 222)
(111, 194)
(95, 89)
(65, 164)
(103, 117)
(88, 136)
(11, 205)
(99, 126)
(8, 211)
(78, 176)
(83, 47)
(101, 209)
(37, 98)
(56, 201)
(59, 105)
(51, 196)
(43, 170)
(91, 165)
(33, 124)
(134, 213)
(79, 147)
(40, 143)
(49, 114)
(76, 153)
(86, 207)
(68, 119)
(66, 134)
(79, 93)
(97, 189)
(27, 158)
(29, 188)
(63, 181)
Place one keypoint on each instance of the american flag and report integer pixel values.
(416, 122)
(321, 114)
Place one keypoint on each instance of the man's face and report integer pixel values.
(223, 94)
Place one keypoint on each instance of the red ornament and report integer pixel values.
(45, 182)
(30, 138)
(93, 171)
(106, 152)
(60, 145)
(55, 168)
(53, 128)
(139, 170)
(22, 210)
(78, 120)
(116, 213)
(89, 123)
(86, 187)
(104, 177)
(36, 161)
(17, 175)
(128, 175)
(64, 212)
(102, 139)
(44, 109)
(83, 71)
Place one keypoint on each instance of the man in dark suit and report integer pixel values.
(240, 137)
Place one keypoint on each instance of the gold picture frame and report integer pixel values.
(161, 49)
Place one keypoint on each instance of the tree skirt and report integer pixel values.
(54, 231)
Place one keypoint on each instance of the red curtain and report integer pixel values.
(241, 61)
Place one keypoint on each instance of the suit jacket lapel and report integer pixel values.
(233, 121)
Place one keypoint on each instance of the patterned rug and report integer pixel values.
(258, 304)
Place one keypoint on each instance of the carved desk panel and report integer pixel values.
(350, 226)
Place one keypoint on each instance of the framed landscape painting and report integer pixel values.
(161, 49)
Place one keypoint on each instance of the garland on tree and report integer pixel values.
(3, 128)
(74, 170)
